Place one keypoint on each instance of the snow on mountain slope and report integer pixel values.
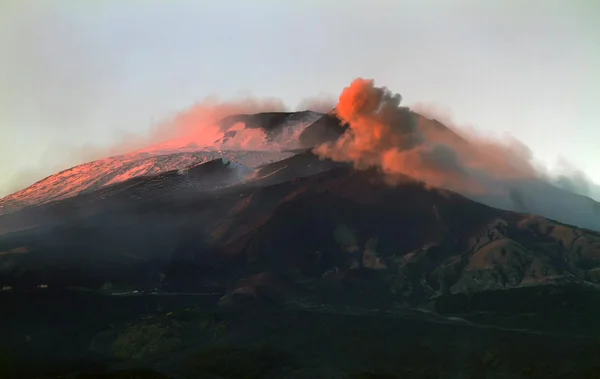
(94, 175)
(251, 140)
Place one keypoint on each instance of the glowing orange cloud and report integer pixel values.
(398, 141)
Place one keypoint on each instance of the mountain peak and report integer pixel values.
(254, 140)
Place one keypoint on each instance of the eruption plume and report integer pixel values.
(398, 141)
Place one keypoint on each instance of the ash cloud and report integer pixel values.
(398, 141)
(199, 125)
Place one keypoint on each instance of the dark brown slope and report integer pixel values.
(420, 243)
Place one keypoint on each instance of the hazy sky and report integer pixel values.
(77, 74)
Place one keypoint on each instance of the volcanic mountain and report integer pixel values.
(259, 199)
(174, 252)
(254, 140)
(310, 220)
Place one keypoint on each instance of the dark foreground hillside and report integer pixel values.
(91, 336)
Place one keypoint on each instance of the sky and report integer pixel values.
(78, 75)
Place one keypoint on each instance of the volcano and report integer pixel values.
(255, 140)
(210, 222)
(275, 245)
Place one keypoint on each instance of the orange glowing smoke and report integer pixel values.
(398, 141)
(199, 125)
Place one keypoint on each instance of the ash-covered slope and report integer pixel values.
(334, 229)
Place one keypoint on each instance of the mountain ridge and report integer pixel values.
(282, 133)
(155, 159)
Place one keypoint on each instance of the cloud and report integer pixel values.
(199, 125)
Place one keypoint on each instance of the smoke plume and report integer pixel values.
(200, 125)
(398, 141)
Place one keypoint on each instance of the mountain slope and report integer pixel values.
(277, 132)
(336, 228)
(97, 174)
(422, 242)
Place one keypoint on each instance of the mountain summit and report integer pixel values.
(255, 140)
